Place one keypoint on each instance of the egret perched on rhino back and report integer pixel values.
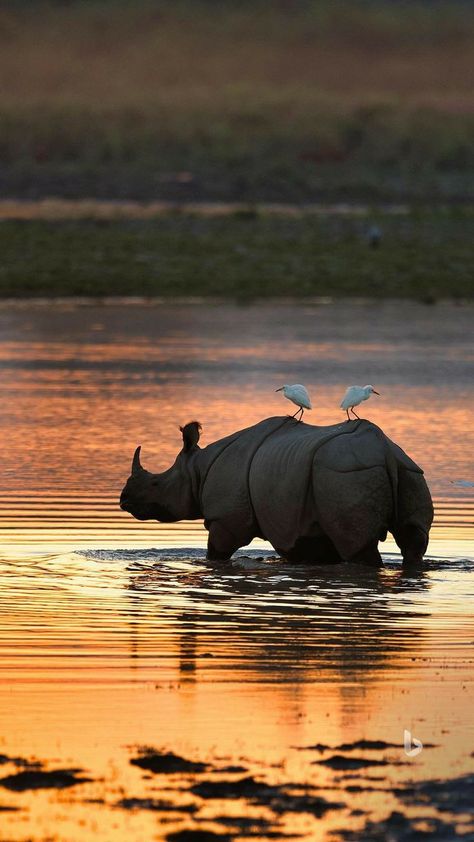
(317, 494)
(354, 396)
(298, 395)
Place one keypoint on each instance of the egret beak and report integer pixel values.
(375, 393)
(280, 389)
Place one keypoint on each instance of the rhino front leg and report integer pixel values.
(221, 543)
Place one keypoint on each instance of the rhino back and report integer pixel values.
(307, 480)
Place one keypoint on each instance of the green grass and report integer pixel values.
(422, 255)
(314, 100)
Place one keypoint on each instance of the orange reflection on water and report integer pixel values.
(107, 644)
(236, 667)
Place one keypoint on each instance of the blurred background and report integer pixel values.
(249, 100)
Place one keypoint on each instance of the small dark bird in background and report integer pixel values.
(374, 236)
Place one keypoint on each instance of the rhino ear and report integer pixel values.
(190, 433)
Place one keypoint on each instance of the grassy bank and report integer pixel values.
(242, 256)
(318, 100)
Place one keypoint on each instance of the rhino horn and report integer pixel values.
(136, 465)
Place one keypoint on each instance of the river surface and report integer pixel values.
(117, 638)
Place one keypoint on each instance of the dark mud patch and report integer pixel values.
(279, 799)
(358, 745)
(341, 763)
(20, 762)
(355, 776)
(314, 805)
(229, 770)
(369, 745)
(248, 827)
(6, 808)
(375, 745)
(244, 823)
(198, 836)
(398, 828)
(155, 805)
(256, 829)
(453, 796)
(36, 779)
(166, 763)
(321, 747)
(242, 788)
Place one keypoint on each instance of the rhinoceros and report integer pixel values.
(317, 494)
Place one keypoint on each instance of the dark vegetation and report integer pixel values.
(253, 100)
(423, 256)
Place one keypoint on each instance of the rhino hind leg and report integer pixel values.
(413, 543)
(368, 555)
(313, 550)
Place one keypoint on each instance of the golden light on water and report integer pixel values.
(115, 634)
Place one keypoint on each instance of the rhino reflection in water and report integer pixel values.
(321, 494)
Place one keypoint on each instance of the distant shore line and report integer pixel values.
(56, 209)
(215, 301)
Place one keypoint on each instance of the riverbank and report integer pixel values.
(240, 252)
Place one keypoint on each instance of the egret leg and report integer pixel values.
(348, 416)
(354, 413)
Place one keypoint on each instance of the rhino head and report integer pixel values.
(169, 496)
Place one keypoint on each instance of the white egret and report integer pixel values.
(298, 395)
(354, 396)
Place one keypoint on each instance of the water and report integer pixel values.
(116, 634)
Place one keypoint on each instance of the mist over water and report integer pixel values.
(116, 634)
